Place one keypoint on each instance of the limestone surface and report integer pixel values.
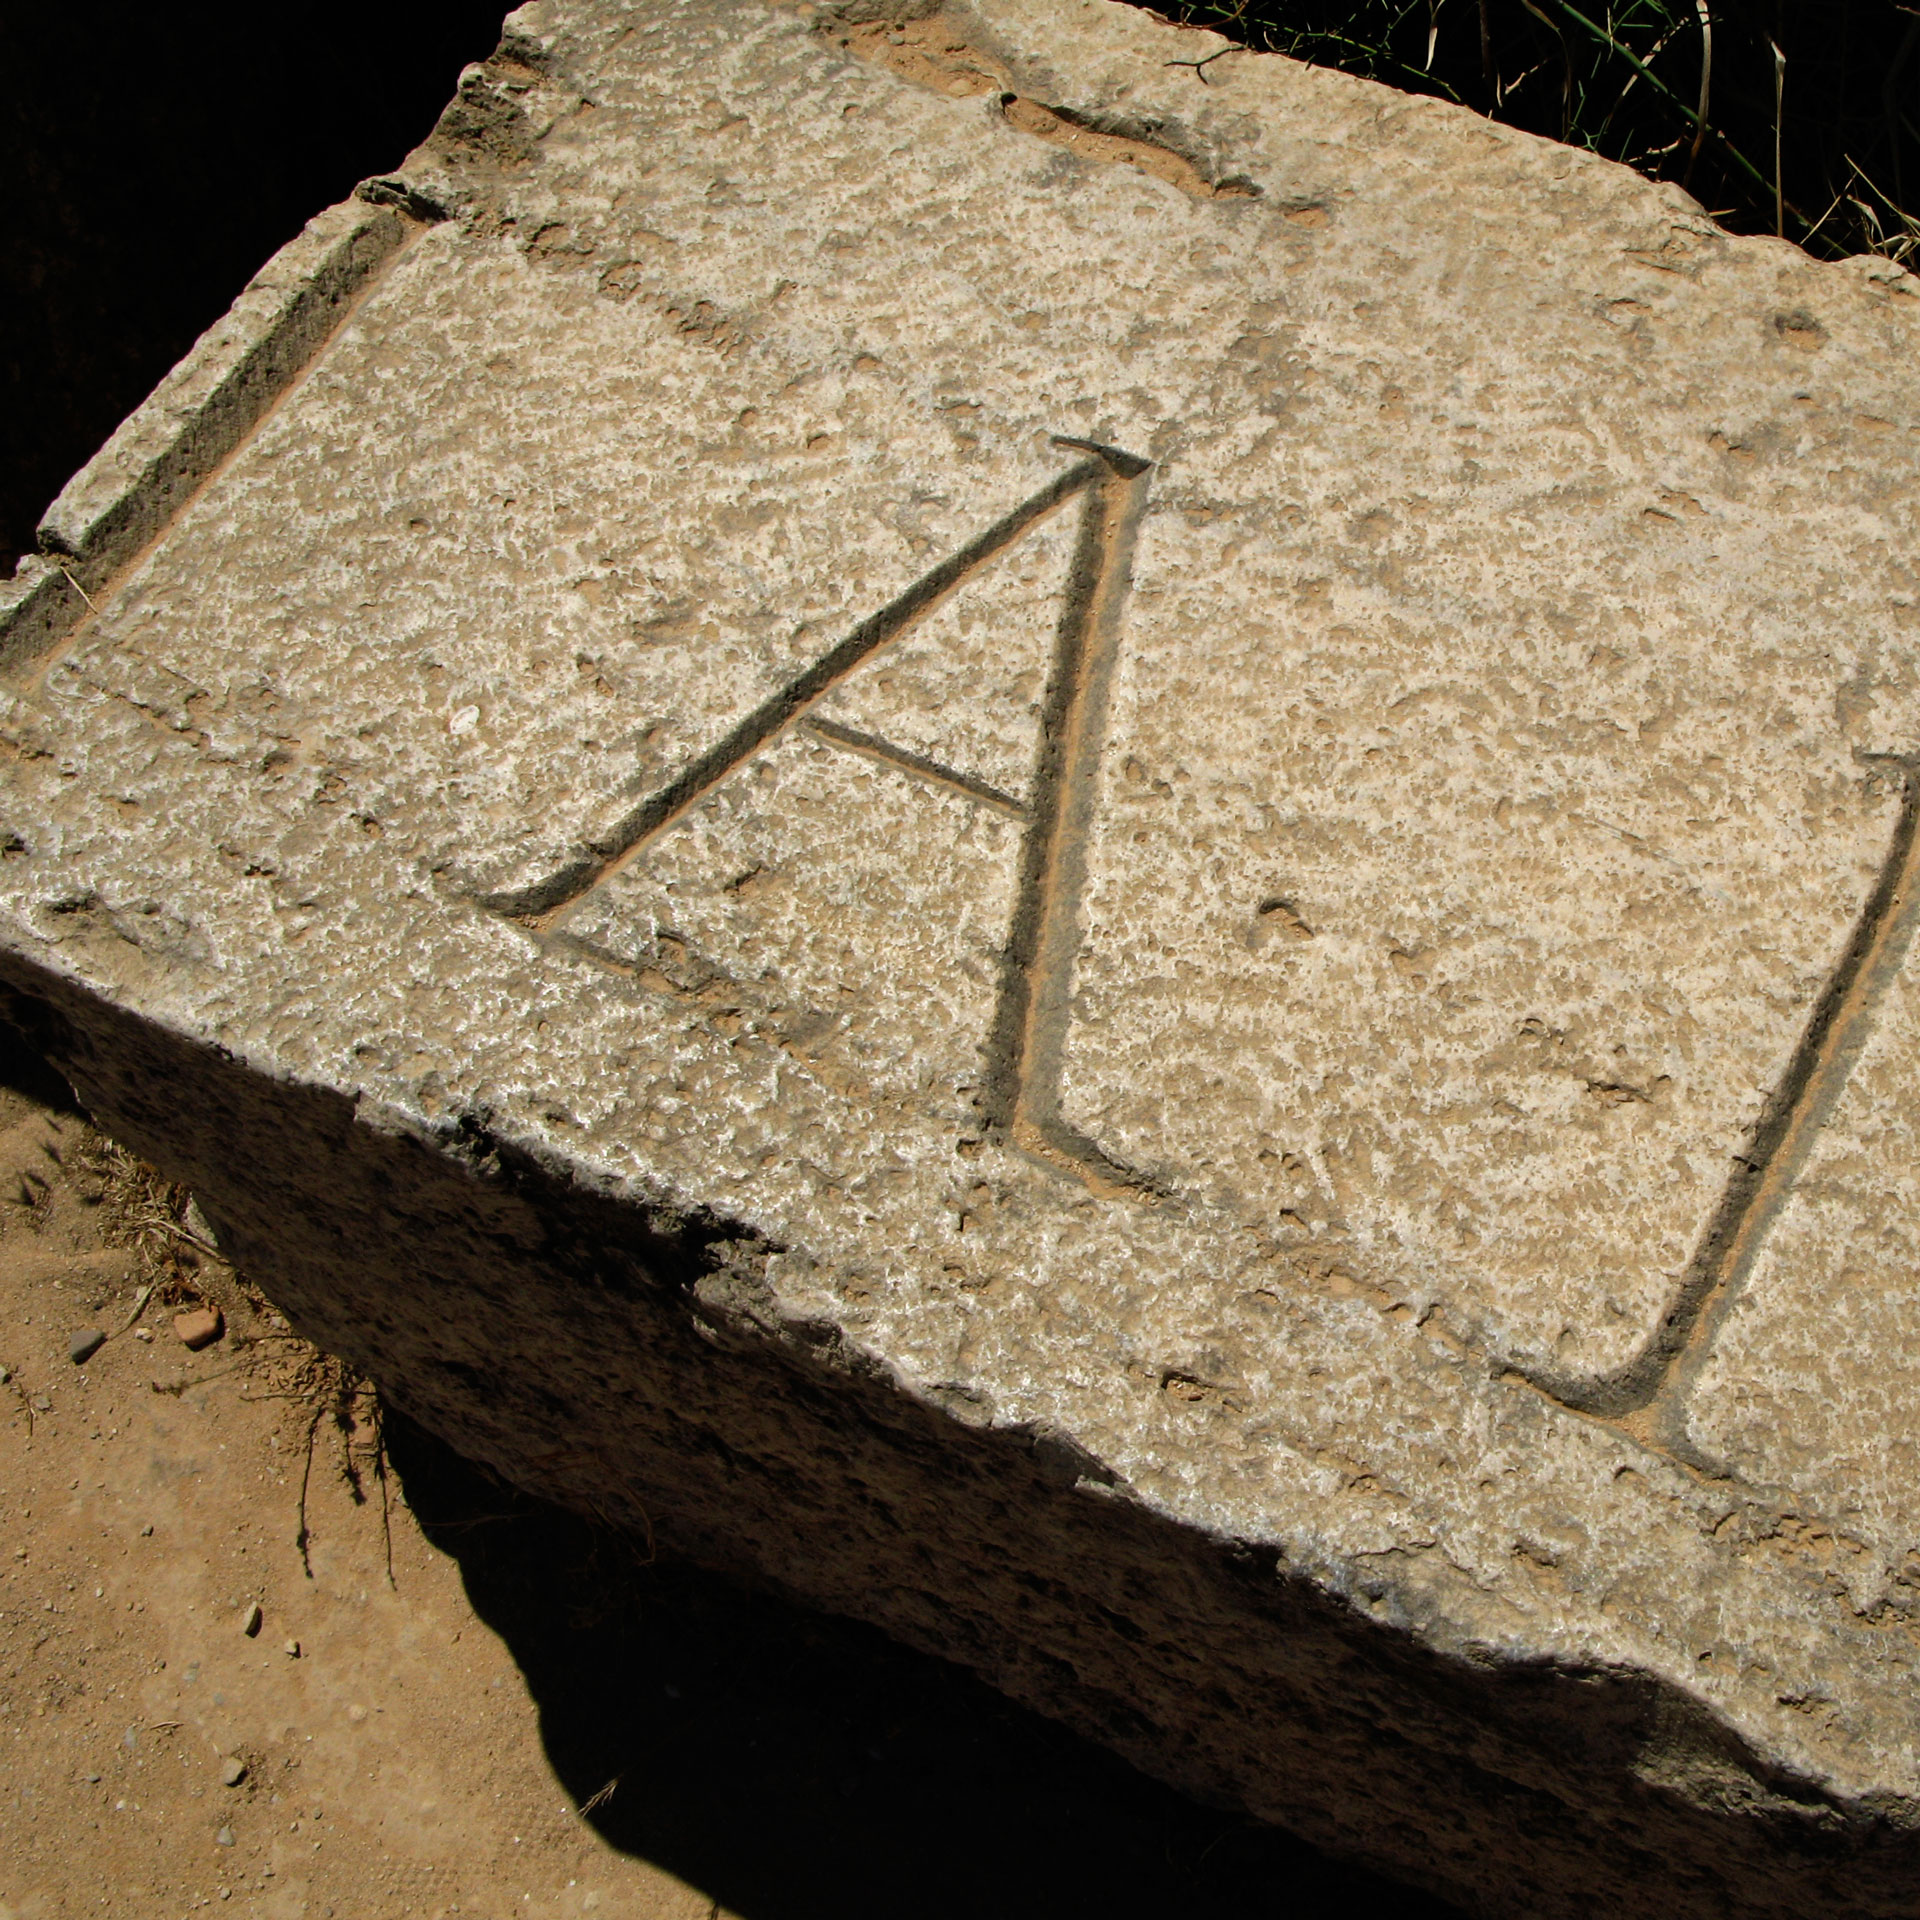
(1102, 846)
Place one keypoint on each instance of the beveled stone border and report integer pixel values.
(172, 443)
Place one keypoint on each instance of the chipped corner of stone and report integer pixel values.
(36, 606)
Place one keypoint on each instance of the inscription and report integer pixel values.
(1648, 1396)
(870, 746)
(546, 904)
(1829, 1049)
(1025, 1045)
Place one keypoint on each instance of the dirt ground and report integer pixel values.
(454, 1700)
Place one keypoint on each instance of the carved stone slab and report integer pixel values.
(1101, 846)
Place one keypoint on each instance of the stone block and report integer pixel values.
(1107, 856)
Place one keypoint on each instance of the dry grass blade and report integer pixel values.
(1779, 102)
(1623, 80)
(1706, 91)
(595, 1801)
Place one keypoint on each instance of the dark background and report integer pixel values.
(1812, 120)
(152, 158)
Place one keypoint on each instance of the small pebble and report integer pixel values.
(143, 1333)
(200, 1328)
(41, 1404)
(250, 1619)
(93, 1779)
(6, 1374)
(232, 1770)
(146, 1532)
(293, 1649)
(85, 1344)
(224, 1838)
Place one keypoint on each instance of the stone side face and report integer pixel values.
(653, 1383)
(1115, 865)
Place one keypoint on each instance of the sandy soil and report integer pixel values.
(151, 1497)
(444, 1672)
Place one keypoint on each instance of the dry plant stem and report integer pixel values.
(1706, 90)
(1779, 98)
(380, 1474)
(1633, 80)
(600, 1798)
(1902, 244)
(300, 1539)
(180, 1233)
(78, 588)
(1833, 206)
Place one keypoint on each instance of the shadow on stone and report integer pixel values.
(792, 1765)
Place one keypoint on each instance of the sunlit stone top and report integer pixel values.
(1231, 748)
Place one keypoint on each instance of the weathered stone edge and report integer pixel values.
(619, 1355)
(126, 494)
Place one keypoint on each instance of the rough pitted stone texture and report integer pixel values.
(1111, 862)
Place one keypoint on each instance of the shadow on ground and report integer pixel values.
(791, 1765)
